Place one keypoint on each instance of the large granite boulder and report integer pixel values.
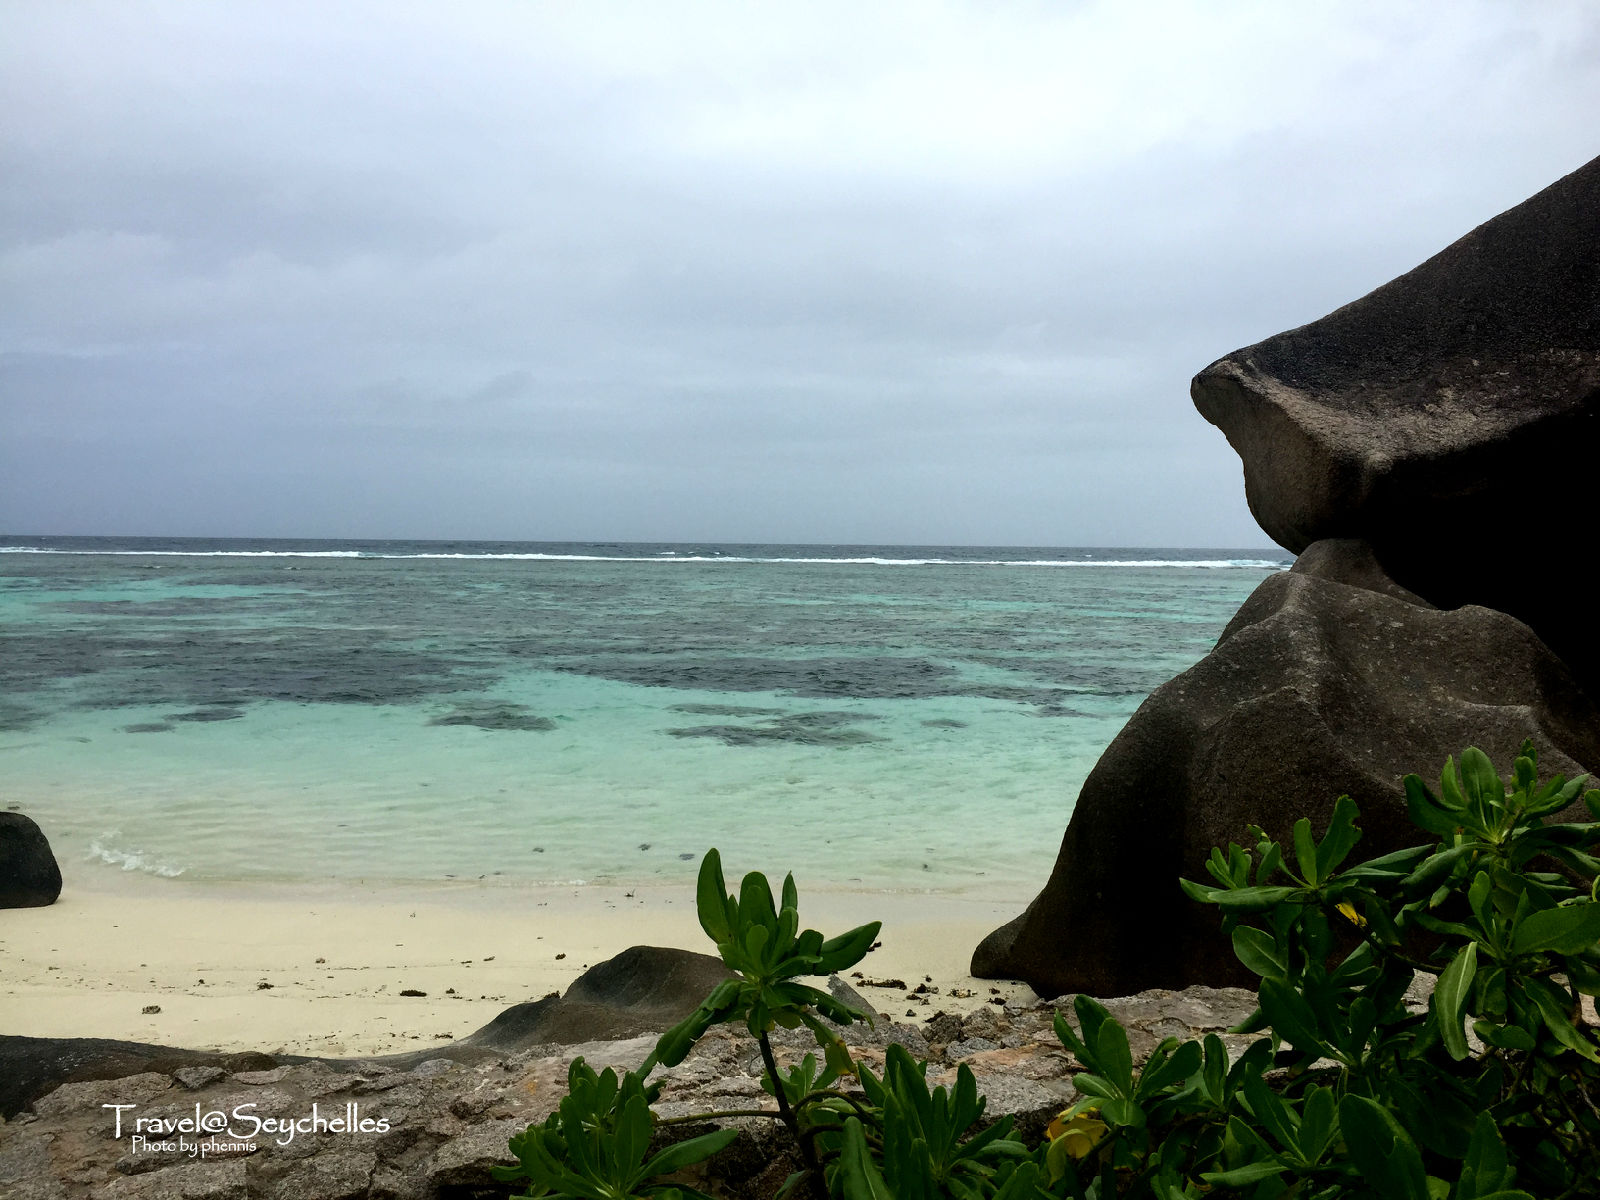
(1451, 418)
(29, 876)
(1330, 679)
(645, 989)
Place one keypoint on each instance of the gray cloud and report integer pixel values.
(922, 273)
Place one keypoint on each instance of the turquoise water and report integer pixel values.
(879, 717)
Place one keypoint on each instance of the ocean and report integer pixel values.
(870, 717)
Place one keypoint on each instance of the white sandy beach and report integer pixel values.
(338, 958)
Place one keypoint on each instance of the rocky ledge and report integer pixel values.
(433, 1130)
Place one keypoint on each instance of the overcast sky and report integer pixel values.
(914, 273)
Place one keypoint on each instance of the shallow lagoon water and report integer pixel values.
(878, 717)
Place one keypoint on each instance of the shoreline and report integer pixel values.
(336, 958)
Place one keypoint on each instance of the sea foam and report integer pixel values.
(673, 557)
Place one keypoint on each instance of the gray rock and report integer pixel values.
(334, 1175)
(26, 1169)
(260, 1078)
(1193, 1011)
(90, 1096)
(29, 876)
(622, 1054)
(1448, 418)
(391, 1184)
(967, 1047)
(465, 1161)
(1353, 562)
(1316, 688)
(909, 1036)
(195, 1078)
(187, 1181)
(38, 1188)
(841, 991)
(433, 1067)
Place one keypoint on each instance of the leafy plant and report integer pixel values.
(926, 1138)
(594, 1145)
(1351, 1091)
(1377, 1099)
(763, 945)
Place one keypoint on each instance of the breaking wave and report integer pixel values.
(675, 557)
(129, 859)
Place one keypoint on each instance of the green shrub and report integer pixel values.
(594, 1144)
(1348, 1093)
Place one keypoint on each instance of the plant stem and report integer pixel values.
(786, 1113)
(691, 1118)
(865, 1113)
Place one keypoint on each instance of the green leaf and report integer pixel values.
(684, 1154)
(1273, 1114)
(1523, 772)
(1122, 1110)
(1091, 1084)
(1485, 1169)
(1556, 795)
(1091, 1015)
(788, 926)
(1305, 852)
(1116, 1059)
(1426, 811)
(1484, 789)
(1478, 897)
(846, 950)
(1316, 1123)
(1389, 866)
(1573, 929)
(1435, 866)
(1450, 995)
(1069, 1038)
(755, 902)
(1340, 839)
(755, 941)
(1176, 1067)
(1254, 899)
(631, 1139)
(1258, 951)
(1363, 1020)
(1271, 861)
(1552, 1004)
(711, 898)
(1450, 787)
(1382, 1150)
(858, 1175)
(1242, 1176)
(1216, 1068)
(1292, 1018)
(1506, 1037)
